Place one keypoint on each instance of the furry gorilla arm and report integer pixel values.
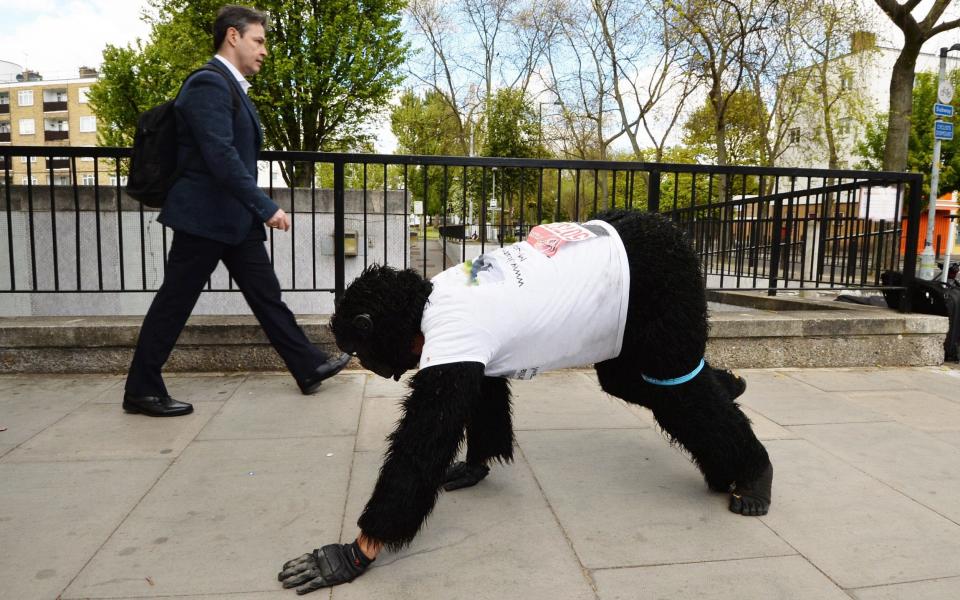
(423, 445)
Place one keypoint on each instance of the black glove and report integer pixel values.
(462, 474)
(331, 565)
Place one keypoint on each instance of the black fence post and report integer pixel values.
(339, 282)
(913, 236)
(775, 241)
(653, 192)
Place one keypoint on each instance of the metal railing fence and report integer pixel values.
(67, 224)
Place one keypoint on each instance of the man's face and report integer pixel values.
(251, 49)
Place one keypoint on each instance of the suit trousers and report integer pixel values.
(190, 263)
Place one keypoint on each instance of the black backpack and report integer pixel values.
(153, 163)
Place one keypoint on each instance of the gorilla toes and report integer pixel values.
(734, 385)
(463, 474)
(753, 499)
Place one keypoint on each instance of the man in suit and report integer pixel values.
(217, 213)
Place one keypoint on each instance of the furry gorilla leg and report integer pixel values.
(490, 428)
(422, 448)
(489, 436)
(701, 417)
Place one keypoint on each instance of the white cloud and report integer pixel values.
(55, 37)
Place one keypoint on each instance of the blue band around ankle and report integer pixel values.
(675, 380)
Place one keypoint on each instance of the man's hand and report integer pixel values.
(462, 474)
(280, 220)
(331, 565)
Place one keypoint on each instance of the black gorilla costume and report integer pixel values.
(665, 334)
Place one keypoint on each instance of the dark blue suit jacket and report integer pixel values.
(216, 196)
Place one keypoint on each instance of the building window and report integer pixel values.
(4, 98)
(846, 81)
(113, 180)
(795, 135)
(61, 180)
(82, 94)
(25, 98)
(845, 126)
(54, 95)
(27, 127)
(5, 127)
(27, 181)
(86, 159)
(88, 180)
(88, 124)
(23, 159)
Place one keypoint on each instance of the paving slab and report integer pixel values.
(950, 437)
(568, 400)
(29, 405)
(55, 515)
(104, 431)
(377, 386)
(787, 401)
(192, 388)
(632, 487)
(221, 518)
(854, 528)
(918, 409)
(943, 381)
(378, 418)
(779, 578)
(496, 540)
(846, 380)
(940, 589)
(264, 407)
(915, 464)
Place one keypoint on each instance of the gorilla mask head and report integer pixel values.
(378, 319)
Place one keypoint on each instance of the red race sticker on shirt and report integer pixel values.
(550, 237)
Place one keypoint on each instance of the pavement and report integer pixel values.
(95, 503)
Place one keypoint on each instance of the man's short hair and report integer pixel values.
(238, 17)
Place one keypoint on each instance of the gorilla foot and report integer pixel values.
(462, 474)
(753, 499)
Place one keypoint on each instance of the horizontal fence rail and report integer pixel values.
(68, 226)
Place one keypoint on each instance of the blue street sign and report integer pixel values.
(942, 130)
(943, 110)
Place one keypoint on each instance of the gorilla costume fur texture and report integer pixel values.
(379, 320)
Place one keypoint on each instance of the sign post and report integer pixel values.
(943, 130)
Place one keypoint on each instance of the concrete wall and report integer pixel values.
(300, 255)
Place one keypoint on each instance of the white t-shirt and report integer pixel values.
(558, 299)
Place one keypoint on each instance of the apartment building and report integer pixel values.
(863, 74)
(40, 112)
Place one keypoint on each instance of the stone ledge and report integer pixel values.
(849, 337)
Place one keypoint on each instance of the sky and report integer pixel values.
(56, 37)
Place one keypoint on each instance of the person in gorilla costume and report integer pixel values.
(623, 292)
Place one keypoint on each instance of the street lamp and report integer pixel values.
(945, 96)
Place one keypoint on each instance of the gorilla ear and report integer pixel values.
(363, 323)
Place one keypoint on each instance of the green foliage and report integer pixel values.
(426, 125)
(332, 65)
(744, 121)
(920, 152)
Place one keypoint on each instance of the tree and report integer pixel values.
(745, 116)
(920, 145)
(722, 38)
(332, 65)
(834, 35)
(915, 34)
(513, 130)
(427, 125)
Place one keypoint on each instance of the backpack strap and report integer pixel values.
(234, 94)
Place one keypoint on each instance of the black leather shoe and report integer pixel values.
(155, 406)
(328, 369)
